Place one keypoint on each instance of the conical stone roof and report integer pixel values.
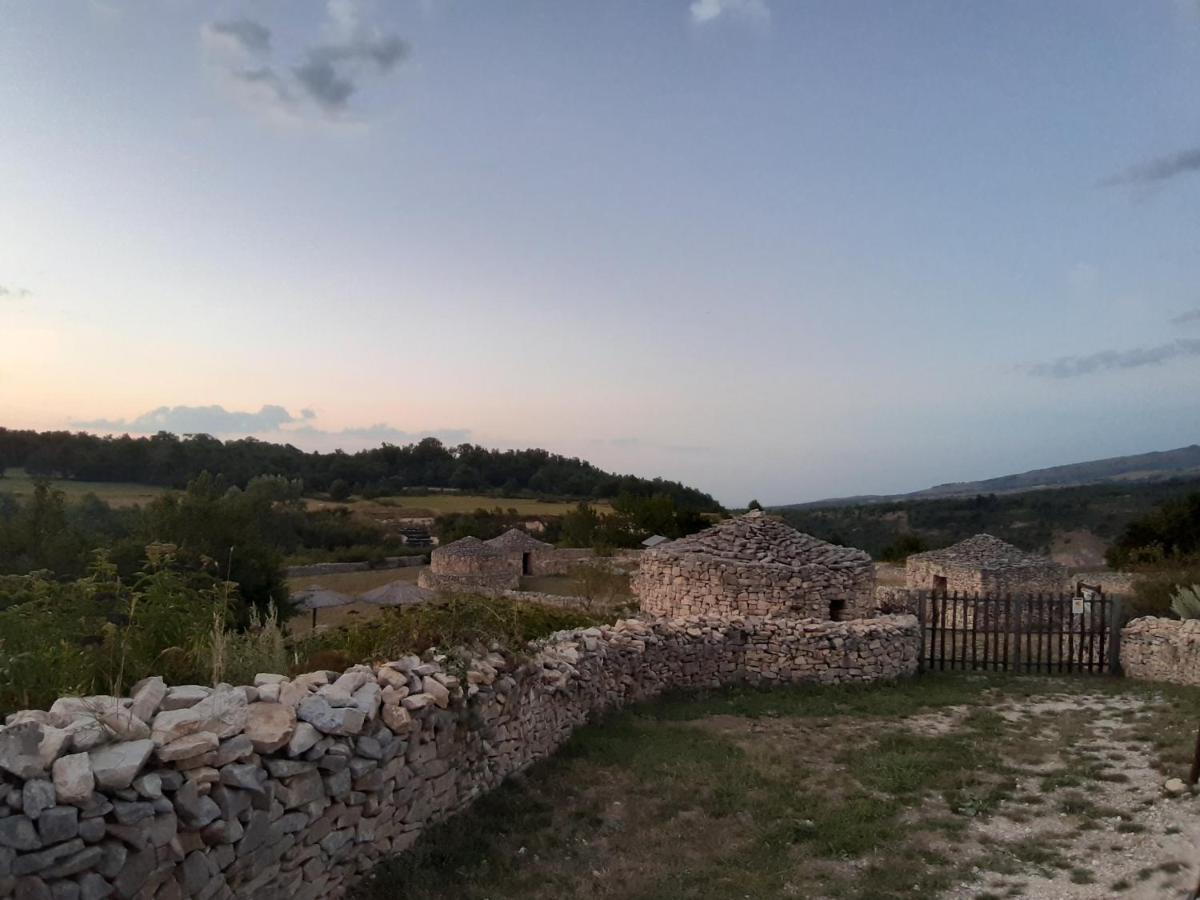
(517, 540)
(758, 538)
(984, 551)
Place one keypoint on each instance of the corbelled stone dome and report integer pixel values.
(755, 565)
(519, 541)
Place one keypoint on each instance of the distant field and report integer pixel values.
(438, 504)
(115, 493)
(354, 583)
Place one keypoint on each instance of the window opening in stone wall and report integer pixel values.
(939, 584)
(836, 607)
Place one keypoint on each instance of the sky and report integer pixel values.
(780, 250)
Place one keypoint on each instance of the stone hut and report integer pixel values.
(528, 555)
(470, 564)
(755, 565)
(984, 565)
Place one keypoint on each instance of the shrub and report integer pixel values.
(1154, 588)
(1186, 602)
(451, 621)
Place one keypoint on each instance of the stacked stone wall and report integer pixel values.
(1157, 649)
(295, 788)
(1048, 579)
(697, 584)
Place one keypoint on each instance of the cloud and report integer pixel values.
(330, 70)
(270, 420)
(1187, 318)
(1157, 170)
(1110, 360)
(705, 11)
(196, 420)
(15, 293)
(245, 35)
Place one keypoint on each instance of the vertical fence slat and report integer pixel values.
(1100, 667)
(942, 647)
(1059, 610)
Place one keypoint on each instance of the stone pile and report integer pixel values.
(295, 787)
(754, 565)
(1157, 649)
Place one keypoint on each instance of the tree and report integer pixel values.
(339, 490)
(754, 504)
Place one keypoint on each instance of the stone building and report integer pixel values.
(470, 564)
(526, 553)
(755, 565)
(984, 565)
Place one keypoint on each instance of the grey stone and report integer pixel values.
(37, 795)
(94, 887)
(134, 873)
(92, 830)
(148, 786)
(303, 739)
(184, 696)
(231, 750)
(245, 777)
(19, 833)
(64, 890)
(132, 813)
(80, 861)
(288, 768)
(116, 765)
(194, 810)
(58, 824)
(32, 888)
(33, 863)
(73, 778)
(19, 750)
(330, 720)
(148, 695)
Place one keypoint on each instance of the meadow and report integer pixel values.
(117, 494)
(437, 504)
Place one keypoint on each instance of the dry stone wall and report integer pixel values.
(1157, 649)
(292, 788)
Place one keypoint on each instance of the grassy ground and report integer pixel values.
(893, 791)
(439, 504)
(351, 583)
(15, 481)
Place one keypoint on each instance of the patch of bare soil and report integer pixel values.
(1090, 817)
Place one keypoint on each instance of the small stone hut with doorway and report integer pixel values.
(755, 565)
(527, 554)
(984, 565)
(469, 564)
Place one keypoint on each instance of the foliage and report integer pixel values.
(451, 621)
(484, 524)
(1171, 532)
(1029, 519)
(339, 490)
(1186, 602)
(634, 519)
(1154, 588)
(172, 461)
(102, 633)
(754, 505)
(903, 547)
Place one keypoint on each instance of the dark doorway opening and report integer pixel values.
(939, 584)
(836, 608)
(526, 563)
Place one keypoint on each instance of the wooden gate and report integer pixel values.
(1043, 633)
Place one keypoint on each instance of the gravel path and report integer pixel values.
(1150, 851)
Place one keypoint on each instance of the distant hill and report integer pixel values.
(1141, 468)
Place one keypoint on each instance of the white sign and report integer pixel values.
(1077, 606)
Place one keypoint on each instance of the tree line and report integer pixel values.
(169, 460)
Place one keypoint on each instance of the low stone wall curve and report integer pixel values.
(1157, 649)
(293, 788)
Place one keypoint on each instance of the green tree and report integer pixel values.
(339, 490)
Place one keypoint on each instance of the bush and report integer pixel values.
(1154, 588)
(457, 620)
(1186, 602)
(903, 547)
(339, 490)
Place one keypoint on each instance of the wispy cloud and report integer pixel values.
(1156, 170)
(271, 419)
(704, 12)
(330, 70)
(244, 35)
(1110, 360)
(1187, 318)
(15, 293)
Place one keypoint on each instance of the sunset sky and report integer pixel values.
(783, 250)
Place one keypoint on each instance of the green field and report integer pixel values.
(115, 493)
(436, 504)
